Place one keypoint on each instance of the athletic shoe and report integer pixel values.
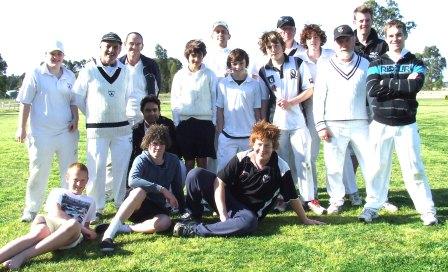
(429, 219)
(389, 207)
(333, 209)
(355, 199)
(28, 216)
(315, 207)
(107, 245)
(184, 229)
(101, 228)
(367, 215)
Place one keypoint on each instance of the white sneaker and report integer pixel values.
(315, 207)
(367, 215)
(429, 219)
(28, 216)
(334, 209)
(355, 199)
(389, 207)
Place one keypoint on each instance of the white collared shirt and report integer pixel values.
(137, 93)
(50, 98)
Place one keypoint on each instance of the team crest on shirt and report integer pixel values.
(111, 93)
(271, 79)
(266, 178)
(69, 86)
(293, 73)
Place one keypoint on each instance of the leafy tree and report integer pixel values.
(3, 65)
(435, 64)
(168, 66)
(383, 14)
(75, 66)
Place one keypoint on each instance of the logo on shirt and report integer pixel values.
(69, 86)
(293, 73)
(271, 79)
(111, 93)
(266, 178)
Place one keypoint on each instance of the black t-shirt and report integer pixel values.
(258, 189)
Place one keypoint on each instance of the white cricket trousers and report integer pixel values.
(357, 133)
(41, 150)
(227, 148)
(294, 148)
(406, 141)
(97, 152)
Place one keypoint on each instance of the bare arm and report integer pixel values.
(285, 104)
(73, 126)
(264, 109)
(257, 113)
(298, 209)
(220, 199)
(24, 113)
(219, 119)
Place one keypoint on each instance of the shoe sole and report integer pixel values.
(107, 249)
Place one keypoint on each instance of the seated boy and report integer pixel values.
(66, 223)
(152, 174)
(237, 107)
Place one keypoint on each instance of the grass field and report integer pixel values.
(396, 242)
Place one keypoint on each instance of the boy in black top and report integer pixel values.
(244, 191)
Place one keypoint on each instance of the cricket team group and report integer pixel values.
(243, 140)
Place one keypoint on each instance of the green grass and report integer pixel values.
(396, 242)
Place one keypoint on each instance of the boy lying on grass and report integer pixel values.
(66, 223)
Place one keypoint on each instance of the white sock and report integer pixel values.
(112, 229)
(124, 228)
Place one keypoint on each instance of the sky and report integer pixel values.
(29, 26)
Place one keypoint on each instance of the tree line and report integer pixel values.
(168, 66)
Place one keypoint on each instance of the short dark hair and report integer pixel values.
(156, 133)
(195, 46)
(398, 24)
(135, 33)
(237, 55)
(273, 37)
(362, 9)
(149, 99)
(308, 30)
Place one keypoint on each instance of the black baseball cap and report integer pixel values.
(343, 31)
(285, 21)
(111, 37)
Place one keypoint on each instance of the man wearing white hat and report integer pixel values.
(45, 98)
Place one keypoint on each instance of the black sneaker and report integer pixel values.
(185, 229)
(107, 245)
(101, 228)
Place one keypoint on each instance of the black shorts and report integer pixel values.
(196, 139)
(147, 211)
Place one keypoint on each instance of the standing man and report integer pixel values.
(216, 61)
(144, 74)
(290, 83)
(371, 47)
(102, 90)
(145, 79)
(46, 99)
(394, 81)
(287, 29)
(340, 112)
(367, 42)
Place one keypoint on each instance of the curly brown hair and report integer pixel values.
(308, 31)
(156, 134)
(263, 130)
(270, 37)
